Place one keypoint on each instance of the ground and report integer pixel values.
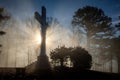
(63, 74)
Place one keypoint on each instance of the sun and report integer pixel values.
(38, 39)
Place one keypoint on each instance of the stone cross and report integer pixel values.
(42, 62)
(42, 20)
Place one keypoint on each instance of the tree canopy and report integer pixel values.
(2, 15)
(59, 54)
(81, 58)
(77, 55)
(93, 20)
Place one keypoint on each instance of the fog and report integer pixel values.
(20, 46)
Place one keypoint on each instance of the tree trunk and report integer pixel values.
(61, 62)
(111, 63)
(118, 64)
(88, 41)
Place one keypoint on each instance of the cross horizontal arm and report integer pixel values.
(39, 18)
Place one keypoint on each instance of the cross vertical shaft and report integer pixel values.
(43, 32)
(42, 63)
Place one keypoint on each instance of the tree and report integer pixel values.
(1, 33)
(81, 58)
(93, 20)
(2, 15)
(118, 25)
(77, 55)
(115, 45)
(115, 49)
(51, 20)
(59, 55)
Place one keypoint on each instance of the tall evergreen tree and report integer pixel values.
(93, 20)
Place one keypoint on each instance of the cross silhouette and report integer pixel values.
(42, 62)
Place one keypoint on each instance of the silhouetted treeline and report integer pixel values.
(100, 35)
(75, 57)
(2, 18)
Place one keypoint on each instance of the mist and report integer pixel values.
(18, 41)
(20, 46)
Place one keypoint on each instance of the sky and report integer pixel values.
(63, 10)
